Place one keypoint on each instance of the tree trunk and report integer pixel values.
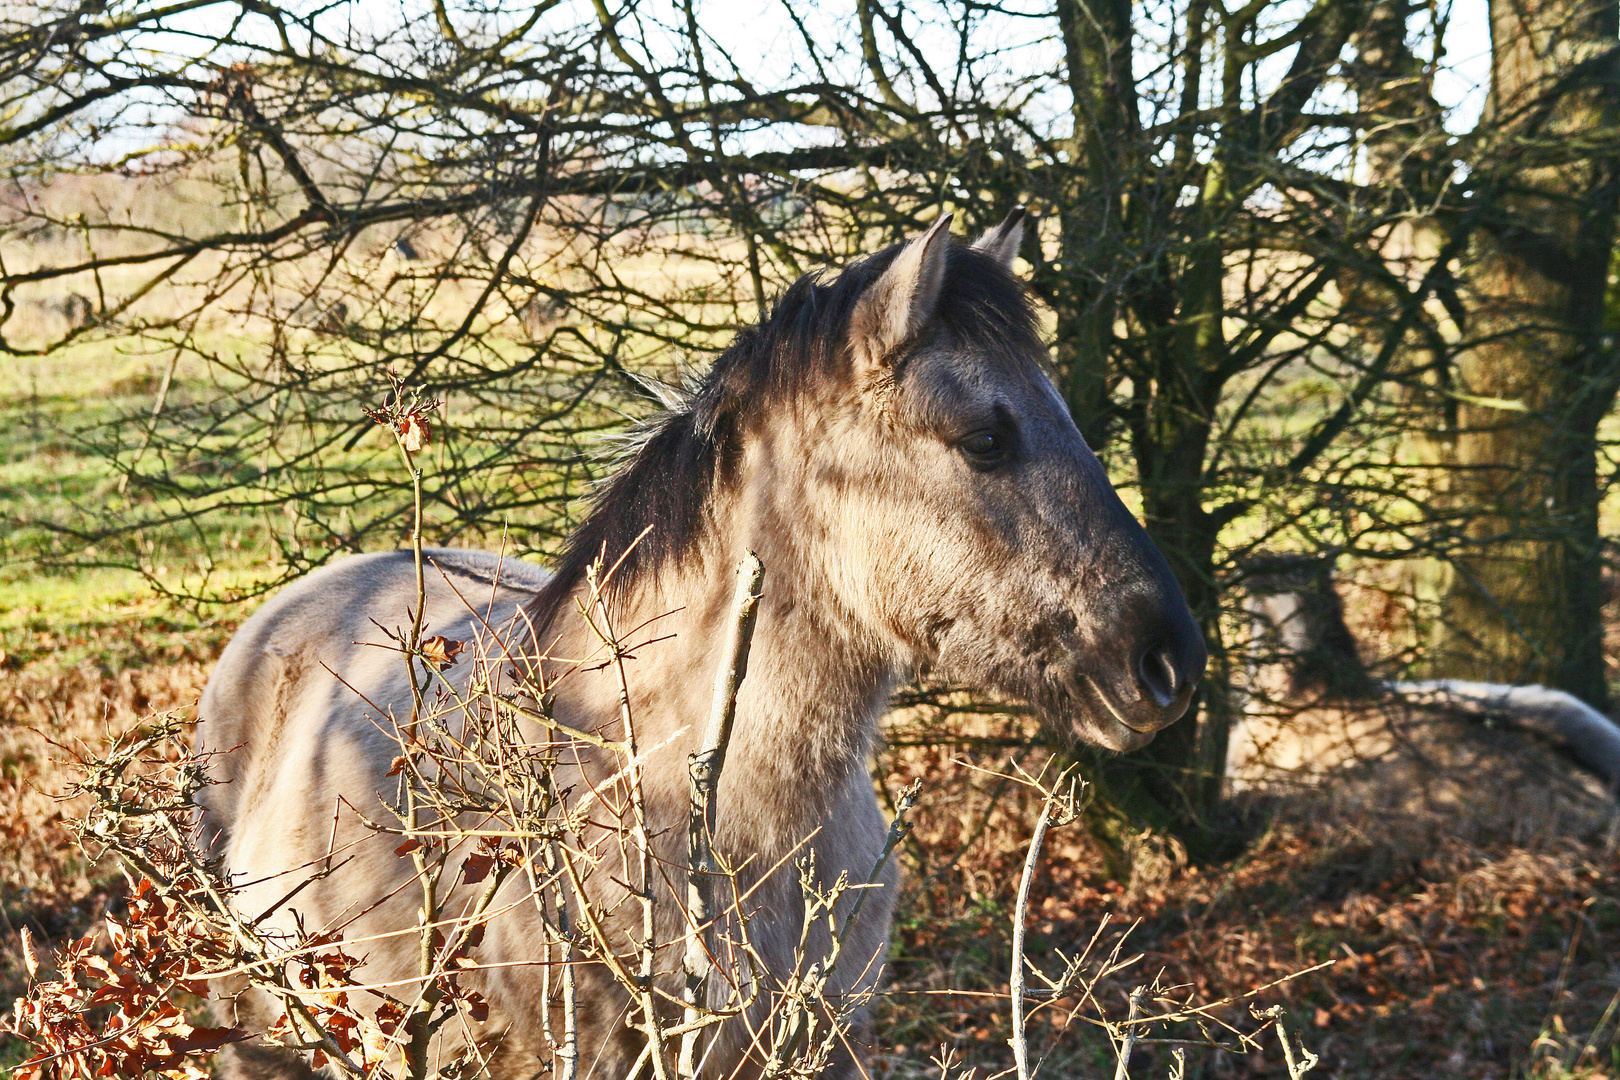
(1522, 603)
(1083, 290)
(1173, 786)
(1170, 786)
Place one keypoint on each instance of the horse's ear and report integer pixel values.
(1002, 242)
(899, 304)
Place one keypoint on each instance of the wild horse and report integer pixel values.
(890, 443)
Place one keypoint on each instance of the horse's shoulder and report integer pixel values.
(390, 570)
(488, 567)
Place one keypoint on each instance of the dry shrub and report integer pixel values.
(1472, 911)
(1464, 886)
(47, 707)
(116, 1015)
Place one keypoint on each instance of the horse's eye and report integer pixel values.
(984, 449)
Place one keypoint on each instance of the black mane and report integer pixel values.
(683, 454)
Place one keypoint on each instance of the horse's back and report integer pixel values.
(296, 710)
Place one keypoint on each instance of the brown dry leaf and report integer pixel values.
(413, 844)
(30, 958)
(414, 432)
(390, 1017)
(476, 868)
(441, 652)
(196, 1040)
(281, 1029)
(375, 1045)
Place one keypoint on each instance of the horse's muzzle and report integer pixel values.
(1162, 677)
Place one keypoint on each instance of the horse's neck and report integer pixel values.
(806, 711)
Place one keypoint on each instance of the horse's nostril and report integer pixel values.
(1156, 672)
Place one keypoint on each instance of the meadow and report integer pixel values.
(1302, 296)
(1472, 939)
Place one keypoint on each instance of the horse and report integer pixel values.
(889, 441)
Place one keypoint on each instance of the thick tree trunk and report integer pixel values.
(1522, 601)
(1170, 786)
(1174, 785)
(1083, 290)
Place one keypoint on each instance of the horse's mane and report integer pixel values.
(673, 462)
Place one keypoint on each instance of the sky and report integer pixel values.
(761, 36)
(760, 33)
(1460, 83)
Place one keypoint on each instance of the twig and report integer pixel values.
(1129, 1036)
(705, 766)
(409, 431)
(1297, 1067)
(1052, 805)
(899, 829)
(642, 981)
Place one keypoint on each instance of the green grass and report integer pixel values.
(109, 618)
(242, 489)
(53, 481)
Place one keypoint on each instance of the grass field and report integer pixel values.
(1459, 949)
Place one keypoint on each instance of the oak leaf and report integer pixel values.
(441, 652)
(414, 433)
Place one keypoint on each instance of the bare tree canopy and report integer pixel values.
(1262, 244)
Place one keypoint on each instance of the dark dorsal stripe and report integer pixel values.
(682, 455)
